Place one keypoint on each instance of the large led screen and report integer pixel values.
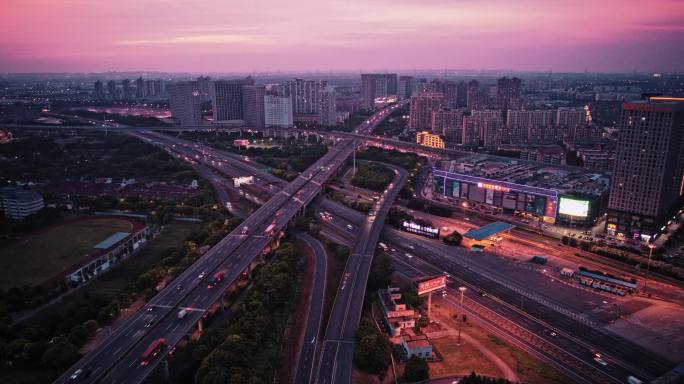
(573, 207)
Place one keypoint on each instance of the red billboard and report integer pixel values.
(428, 286)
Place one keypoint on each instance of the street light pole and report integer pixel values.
(460, 319)
(648, 265)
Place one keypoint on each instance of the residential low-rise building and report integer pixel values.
(396, 314)
(17, 203)
(429, 140)
(417, 346)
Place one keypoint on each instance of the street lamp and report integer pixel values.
(648, 265)
(460, 320)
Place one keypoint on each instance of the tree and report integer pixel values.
(454, 238)
(416, 370)
(59, 355)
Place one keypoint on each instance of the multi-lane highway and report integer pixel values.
(118, 359)
(336, 364)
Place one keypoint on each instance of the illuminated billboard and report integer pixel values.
(573, 207)
(418, 229)
(432, 285)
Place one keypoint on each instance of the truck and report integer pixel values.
(539, 260)
(269, 230)
(152, 351)
(182, 313)
(217, 278)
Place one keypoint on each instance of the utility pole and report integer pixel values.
(648, 266)
(354, 161)
(460, 319)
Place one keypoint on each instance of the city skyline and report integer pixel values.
(612, 36)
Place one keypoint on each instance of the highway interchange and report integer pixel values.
(571, 349)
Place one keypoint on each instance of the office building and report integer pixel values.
(422, 106)
(508, 93)
(428, 139)
(377, 85)
(647, 182)
(17, 203)
(473, 95)
(226, 97)
(278, 111)
(328, 106)
(185, 103)
(447, 122)
(253, 105)
(405, 88)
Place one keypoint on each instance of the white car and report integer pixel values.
(408, 255)
(201, 275)
(76, 374)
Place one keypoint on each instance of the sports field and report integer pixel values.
(41, 255)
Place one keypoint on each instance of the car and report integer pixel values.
(201, 275)
(149, 323)
(408, 255)
(393, 249)
(76, 374)
(600, 361)
(349, 227)
(150, 309)
(483, 293)
(444, 293)
(411, 247)
(179, 287)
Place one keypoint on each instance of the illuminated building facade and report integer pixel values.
(647, 182)
(429, 140)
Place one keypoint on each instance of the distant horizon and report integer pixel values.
(229, 36)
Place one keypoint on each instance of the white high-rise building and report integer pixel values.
(328, 100)
(278, 111)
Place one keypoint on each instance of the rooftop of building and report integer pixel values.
(19, 194)
(565, 180)
(669, 103)
(111, 240)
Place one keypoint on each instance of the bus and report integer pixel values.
(152, 351)
(606, 282)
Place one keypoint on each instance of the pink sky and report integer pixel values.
(294, 35)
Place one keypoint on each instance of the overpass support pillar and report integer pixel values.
(165, 368)
(200, 326)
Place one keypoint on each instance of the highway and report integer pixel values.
(577, 338)
(117, 360)
(336, 360)
(580, 348)
(307, 353)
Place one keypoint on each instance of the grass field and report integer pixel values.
(42, 255)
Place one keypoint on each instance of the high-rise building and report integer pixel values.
(185, 103)
(159, 87)
(112, 91)
(422, 106)
(253, 105)
(328, 106)
(226, 97)
(127, 89)
(519, 124)
(461, 94)
(571, 117)
(448, 88)
(305, 95)
(405, 88)
(148, 89)
(508, 93)
(98, 92)
(447, 123)
(647, 182)
(375, 85)
(473, 95)
(483, 128)
(139, 88)
(429, 140)
(204, 84)
(278, 111)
